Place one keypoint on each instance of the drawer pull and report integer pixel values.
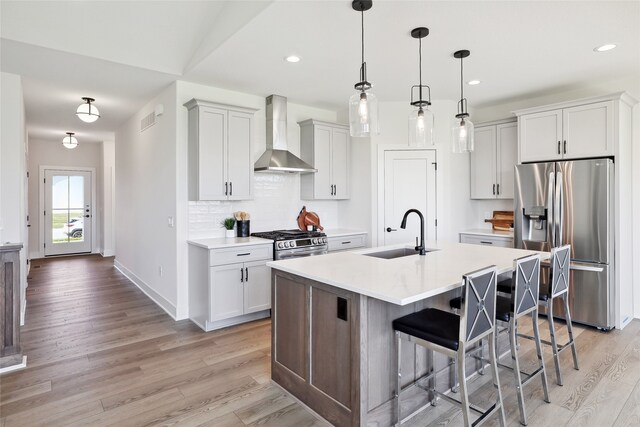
(245, 254)
(347, 242)
(485, 242)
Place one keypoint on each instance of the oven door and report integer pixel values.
(300, 252)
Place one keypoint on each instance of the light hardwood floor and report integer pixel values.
(101, 353)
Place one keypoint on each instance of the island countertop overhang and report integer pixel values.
(402, 280)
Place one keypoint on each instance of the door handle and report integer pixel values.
(226, 188)
(494, 189)
(498, 189)
(565, 147)
(246, 274)
(335, 190)
(231, 188)
(558, 147)
(241, 275)
(389, 229)
(86, 216)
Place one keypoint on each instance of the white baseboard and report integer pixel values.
(15, 367)
(161, 301)
(107, 253)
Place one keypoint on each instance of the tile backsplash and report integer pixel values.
(275, 205)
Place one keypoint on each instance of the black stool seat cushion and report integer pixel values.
(503, 307)
(433, 325)
(504, 286)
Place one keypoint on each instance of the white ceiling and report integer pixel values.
(123, 53)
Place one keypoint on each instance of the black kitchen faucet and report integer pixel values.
(403, 225)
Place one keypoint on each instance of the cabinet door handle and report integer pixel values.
(246, 274)
(244, 254)
(347, 242)
(485, 242)
(565, 147)
(231, 188)
(335, 190)
(494, 189)
(558, 147)
(498, 189)
(226, 188)
(241, 275)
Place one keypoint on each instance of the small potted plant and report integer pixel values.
(228, 224)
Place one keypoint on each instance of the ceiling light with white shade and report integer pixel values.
(473, 82)
(421, 118)
(87, 112)
(605, 47)
(70, 141)
(363, 105)
(292, 58)
(462, 131)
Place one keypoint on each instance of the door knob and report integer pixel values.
(389, 229)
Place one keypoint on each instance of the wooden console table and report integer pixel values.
(10, 350)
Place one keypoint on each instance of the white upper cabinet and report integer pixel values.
(573, 132)
(220, 163)
(327, 147)
(492, 161)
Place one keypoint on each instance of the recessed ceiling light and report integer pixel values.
(473, 82)
(292, 58)
(604, 47)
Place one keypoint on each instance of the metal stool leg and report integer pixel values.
(554, 343)
(536, 336)
(432, 380)
(570, 330)
(496, 380)
(479, 361)
(516, 370)
(453, 376)
(396, 397)
(464, 394)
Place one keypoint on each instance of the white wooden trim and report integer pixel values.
(618, 96)
(161, 301)
(497, 122)
(94, 205)
(15, 367)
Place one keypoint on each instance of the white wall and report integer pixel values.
(13, 172)
(53, 153)
(145, 179)
(455, 211)
(107, 197)
(630, 85)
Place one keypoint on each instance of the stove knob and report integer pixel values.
(280, 245)
(292, 244)
(286, 244)
(324, 240)
(314, 241)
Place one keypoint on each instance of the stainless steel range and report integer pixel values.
(295, 243)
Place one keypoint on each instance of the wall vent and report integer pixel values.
(148, 121)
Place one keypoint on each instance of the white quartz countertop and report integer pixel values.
(341, 232)
(488, 232)
(407, 279)
(222, 242)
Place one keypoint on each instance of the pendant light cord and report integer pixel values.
(461, 79)
(362, 25)
(420, 68)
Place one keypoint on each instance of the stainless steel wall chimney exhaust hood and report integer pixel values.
(277, 158)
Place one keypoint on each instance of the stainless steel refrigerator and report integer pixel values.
(571, 202)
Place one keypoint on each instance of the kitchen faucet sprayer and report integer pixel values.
(420, 248)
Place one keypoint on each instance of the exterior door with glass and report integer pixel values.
(68, 212)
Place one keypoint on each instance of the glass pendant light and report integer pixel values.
(421, 118)
(363, 105)
(87, 112)
(70, 141)
(462, 131)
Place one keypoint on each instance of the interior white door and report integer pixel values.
(409, 183)
(68, 213)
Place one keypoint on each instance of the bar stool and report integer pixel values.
(522, 301)
(452, 335)
(558, 288)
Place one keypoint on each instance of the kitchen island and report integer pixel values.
(332, 340)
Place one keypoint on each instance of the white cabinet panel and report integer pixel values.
(257, 287)
(492, 161)
(588, 130)
(327, 147)
(507, 155)
(486, 240)
(483, 164)
(540, 136)
(227, 293)
(220, 163)
(344, 243)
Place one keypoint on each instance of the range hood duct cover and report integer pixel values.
(277, 158)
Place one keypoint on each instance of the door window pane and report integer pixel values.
(67, 197)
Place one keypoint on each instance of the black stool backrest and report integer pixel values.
(559, 277)
(526, 281)
(478, 311)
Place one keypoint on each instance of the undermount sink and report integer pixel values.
(393, 253)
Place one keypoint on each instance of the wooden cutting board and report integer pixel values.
(502, 220)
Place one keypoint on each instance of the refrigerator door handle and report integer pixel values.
(559, 214)
(550, 211)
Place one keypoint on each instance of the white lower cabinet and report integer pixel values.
(229, 286)
(346, 242)
(488, 239)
